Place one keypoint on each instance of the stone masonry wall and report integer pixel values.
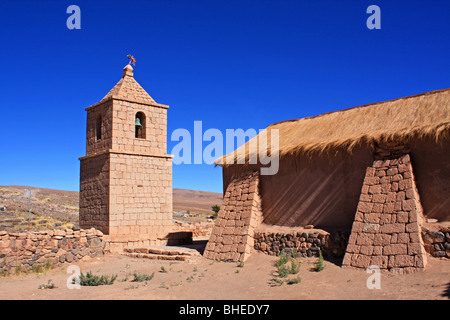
(198, 229)
(140, 199)
(24, 251)
(437, 242)
(123, 128)
(126, 181)
(232, 237)
(94, 192)
(93, 144)
(307, 243)
(386, 229)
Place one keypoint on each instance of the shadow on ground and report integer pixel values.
(446, 292)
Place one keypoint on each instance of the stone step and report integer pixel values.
(162, 253)
(157, 256)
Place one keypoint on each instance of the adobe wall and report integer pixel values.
(320, 190)
(323, 190)
(431, 163)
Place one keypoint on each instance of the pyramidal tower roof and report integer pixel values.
(128, 89)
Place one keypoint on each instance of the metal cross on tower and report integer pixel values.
(132, 59)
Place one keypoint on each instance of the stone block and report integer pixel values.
(392, 228)
(362, 261)
(392, 171)
(372, 217)
(365, 239)
(375, 189)
(371, 181)
(366, 250)
(408, 205)
(353, 248)
(412, 227)
(389, 208)
(385, 218)
(382, 239)
(379, 198)
(403, 260)
(414, 248)
(380, 261)
(395, 249)
(365, 207)
(402, 217)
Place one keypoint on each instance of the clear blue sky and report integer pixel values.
(231, 64)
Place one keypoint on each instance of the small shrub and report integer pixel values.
(276, 282)
(48, 265)
(138, 277)
(283, 259)
(283, 271)
(294, 280)
(295, 267)
(49, 285)
(37, 268)
(18, 270)
(164, 270)
(240, 264)
(190, 278)
(216, 210)
(318, 265)
(4, 273)
(93, 280)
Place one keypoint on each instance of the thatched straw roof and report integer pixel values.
(418, 116)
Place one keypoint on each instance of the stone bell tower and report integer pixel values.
(126, 175)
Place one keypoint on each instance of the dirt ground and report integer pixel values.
(207, 280)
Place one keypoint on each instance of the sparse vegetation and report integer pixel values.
(283, 258)
(216, 210)
(283, 271)
(93, 280)
(190, 278)
(318, 265)
(18, 269)
(163, 270)
(139, 277)
(295, 267)
(49, 285)
(294, 280)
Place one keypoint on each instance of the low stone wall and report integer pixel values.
(23, 251)
(437, 242)
(306, 243)
(198, 229)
